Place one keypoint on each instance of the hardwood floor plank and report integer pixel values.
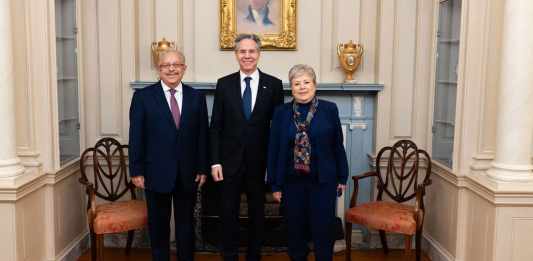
(118, 254)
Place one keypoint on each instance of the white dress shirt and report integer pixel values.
(178, 94)
(254, 85)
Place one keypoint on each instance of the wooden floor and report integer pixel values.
(116, 254)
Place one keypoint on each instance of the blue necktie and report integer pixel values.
(247, 99)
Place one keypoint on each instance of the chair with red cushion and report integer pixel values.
(105, 175)
(397, 177)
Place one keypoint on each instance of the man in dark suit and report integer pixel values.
(168, 154)
(240, 127)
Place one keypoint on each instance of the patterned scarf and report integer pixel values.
(302, 144)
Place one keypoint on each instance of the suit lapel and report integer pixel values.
(162, 104)
(186, 105)
(260, 98)
(236, 93)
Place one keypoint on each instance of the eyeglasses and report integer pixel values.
(167, 66)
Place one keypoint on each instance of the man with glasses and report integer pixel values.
(240, 126)
(168, 154)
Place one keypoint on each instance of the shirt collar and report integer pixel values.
(166, 88)
(254, 75)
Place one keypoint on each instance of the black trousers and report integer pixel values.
(159, 208)
(310, 209)
(253, 184)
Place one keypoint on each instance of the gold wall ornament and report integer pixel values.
(159, 47)
(350, 56)
(283, 39)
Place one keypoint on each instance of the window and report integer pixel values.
(67, 80)
(446, 80)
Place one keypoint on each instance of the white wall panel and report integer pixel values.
(422, 78)
(109, 50)
(167, 22)
(386, 23)
(31, 227)
(490, 101)
(22, 84)
(145, 22)
(8, 245)
(128, 64)
(348, 20)
(521, 233)
(368, 29)
(70, 217)
(328, 60)
(441, 212)
(405, 34)
(480, 229)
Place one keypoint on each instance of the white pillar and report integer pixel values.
(515, 111)
(9, 163)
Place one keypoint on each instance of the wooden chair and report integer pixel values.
(397, 172)
(109, 181)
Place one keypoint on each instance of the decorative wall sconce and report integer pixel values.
(350, 56)
(159, 47)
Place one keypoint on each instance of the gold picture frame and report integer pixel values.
(277, 31)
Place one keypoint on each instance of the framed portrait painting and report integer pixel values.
(273, 20)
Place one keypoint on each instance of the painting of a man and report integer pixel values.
(258, 16)
(258, 12)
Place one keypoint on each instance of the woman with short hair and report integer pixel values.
(307, 165)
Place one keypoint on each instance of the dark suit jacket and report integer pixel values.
(328, 157)
(234, 140)
(157, 150)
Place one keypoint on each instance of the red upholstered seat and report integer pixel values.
(383, 215)
(120, 216)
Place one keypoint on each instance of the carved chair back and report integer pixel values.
(109, 176)
(397, 169)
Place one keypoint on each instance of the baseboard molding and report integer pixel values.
(430, 246)
(396, 241)
(75, 249)
(435, 250)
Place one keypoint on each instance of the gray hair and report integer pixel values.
(253, 37)
(166, 52)
(301, 69)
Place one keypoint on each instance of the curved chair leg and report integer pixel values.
(383, 238)
(348, 239)
(418, 245)
(93, 246)
(131, 233)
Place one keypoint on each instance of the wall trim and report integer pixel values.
(496, 193)
(371, 88)
(435, 250)
(36, 181)
(74, 249)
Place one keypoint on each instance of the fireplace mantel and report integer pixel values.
(348, 88)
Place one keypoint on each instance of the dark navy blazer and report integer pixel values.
(157, 148)
(328, 157)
